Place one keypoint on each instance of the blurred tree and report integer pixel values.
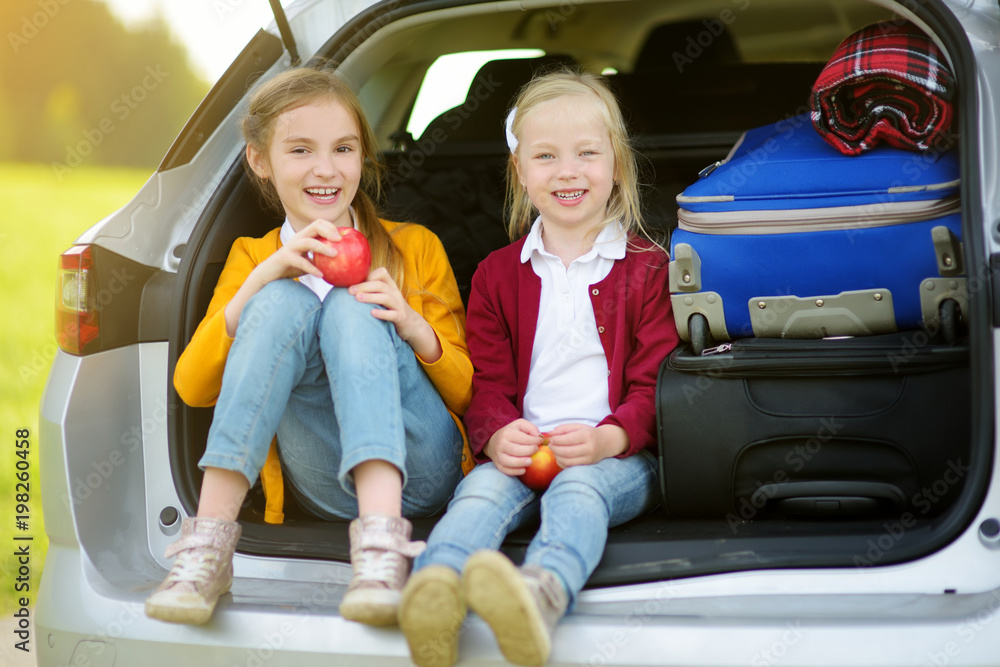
(78, 87)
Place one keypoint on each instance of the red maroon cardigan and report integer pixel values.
(635, 323)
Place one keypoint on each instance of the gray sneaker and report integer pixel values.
(521, 606)
(201, 573)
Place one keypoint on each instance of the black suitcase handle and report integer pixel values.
(830, 497)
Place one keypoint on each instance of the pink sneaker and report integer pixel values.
(381, 552)
(201, 573)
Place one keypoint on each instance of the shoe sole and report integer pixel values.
(371, 607)
(431, 613)
(186, 609)
(496, 591)
(183, 615)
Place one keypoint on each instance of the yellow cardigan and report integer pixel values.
(430, 289)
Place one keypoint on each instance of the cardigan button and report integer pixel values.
(595, 291)
(600, 329)
(609, 372)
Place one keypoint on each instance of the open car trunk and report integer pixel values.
(695, 82)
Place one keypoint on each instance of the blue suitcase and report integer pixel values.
(788, 238)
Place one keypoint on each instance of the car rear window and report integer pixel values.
(448, 80)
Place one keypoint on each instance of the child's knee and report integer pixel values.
(343, 310)
(281, 297)
(279, 303)
(486, 483)
(586, 480)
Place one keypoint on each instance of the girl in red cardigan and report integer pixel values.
(567, 327)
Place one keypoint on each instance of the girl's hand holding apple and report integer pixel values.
(543, 468)
(512, 447)
(292, 259)
(579, 444)
(350, 263)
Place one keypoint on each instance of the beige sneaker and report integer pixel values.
(522, 606)
(431, 612)
(201, 573)
(380, 556)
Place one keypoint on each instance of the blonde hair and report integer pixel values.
(623, 205)
(298, 87)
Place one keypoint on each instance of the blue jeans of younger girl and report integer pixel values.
(339, 387)
(576, 511)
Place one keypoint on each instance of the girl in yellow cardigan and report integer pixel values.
(364, 386)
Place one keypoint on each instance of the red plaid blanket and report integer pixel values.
(886, 82)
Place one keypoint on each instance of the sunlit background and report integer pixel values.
(212, 31)
(92, 93)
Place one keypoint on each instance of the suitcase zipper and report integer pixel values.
(761, 357)
(718, 163)
(813, 220)
(710, 168)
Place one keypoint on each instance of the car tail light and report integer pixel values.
(78, 320)
(99, 300)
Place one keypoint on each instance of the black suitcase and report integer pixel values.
(838, 427)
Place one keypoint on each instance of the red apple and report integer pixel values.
(543, 467)
(352, 263)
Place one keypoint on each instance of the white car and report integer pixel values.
(119, 449)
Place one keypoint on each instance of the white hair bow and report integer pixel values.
(511, 139)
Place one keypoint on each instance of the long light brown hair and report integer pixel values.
(298, 87)
(624, 204)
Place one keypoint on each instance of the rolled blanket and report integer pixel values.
(886, 82)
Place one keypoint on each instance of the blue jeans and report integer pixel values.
(339, 387)
(576, 511)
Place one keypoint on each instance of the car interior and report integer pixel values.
(691, 77)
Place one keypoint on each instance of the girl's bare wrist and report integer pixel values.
(425, 342)
(615, 440)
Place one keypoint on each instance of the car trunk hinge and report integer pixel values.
(286, 31)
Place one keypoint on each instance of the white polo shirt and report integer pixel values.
(568, 380)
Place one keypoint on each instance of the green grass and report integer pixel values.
(41, 215)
